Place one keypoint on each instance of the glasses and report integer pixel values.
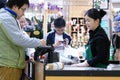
(23, 9)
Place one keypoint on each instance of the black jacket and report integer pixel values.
(51, 38)
(100, 46)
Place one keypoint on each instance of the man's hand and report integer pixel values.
(57, 44)
(43, 42)
(66, 42)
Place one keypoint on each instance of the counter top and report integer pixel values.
(82, 71)
(68, 67)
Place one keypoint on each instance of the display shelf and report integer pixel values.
(74, 20)
(81, 21)
(79, 32)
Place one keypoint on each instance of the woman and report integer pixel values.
(98, 46)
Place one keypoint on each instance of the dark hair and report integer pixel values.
(59, 22)
(2, 3)
(95, 14)
(18, 3)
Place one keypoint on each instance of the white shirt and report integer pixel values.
(58, 38)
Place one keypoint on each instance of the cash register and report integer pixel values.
(51, 56)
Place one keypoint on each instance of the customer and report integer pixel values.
(116, 38)
(12, 40)
(98, 46)
(58, 38)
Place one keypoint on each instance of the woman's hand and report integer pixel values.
(84, 64)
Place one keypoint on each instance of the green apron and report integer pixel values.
(89, 56)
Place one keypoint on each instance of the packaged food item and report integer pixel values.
(55, 66)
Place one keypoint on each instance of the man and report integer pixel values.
(59, 39)
(12, 40)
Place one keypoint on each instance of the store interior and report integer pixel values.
(43, 13)
(81, 46)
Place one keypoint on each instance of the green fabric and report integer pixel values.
(88, 52)
(89, 56)
(11, 55)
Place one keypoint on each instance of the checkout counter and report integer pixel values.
(70, 73)
(82, 73)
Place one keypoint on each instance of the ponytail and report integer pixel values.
(101, 13)
(95, 13)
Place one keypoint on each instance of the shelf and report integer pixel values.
(80, 28)
(74, 31)
(82, 24)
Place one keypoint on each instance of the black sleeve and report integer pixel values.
(69, 40)
(113, 40)
(101, 50)
(48, 41)
(117, 42)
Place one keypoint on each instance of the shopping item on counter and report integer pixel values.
(70, 51)
(69, 55)
(55, 66)
(75, 59)
(113, 67)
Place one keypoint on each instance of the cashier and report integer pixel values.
(98, 46)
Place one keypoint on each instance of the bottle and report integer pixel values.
(111, 53)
